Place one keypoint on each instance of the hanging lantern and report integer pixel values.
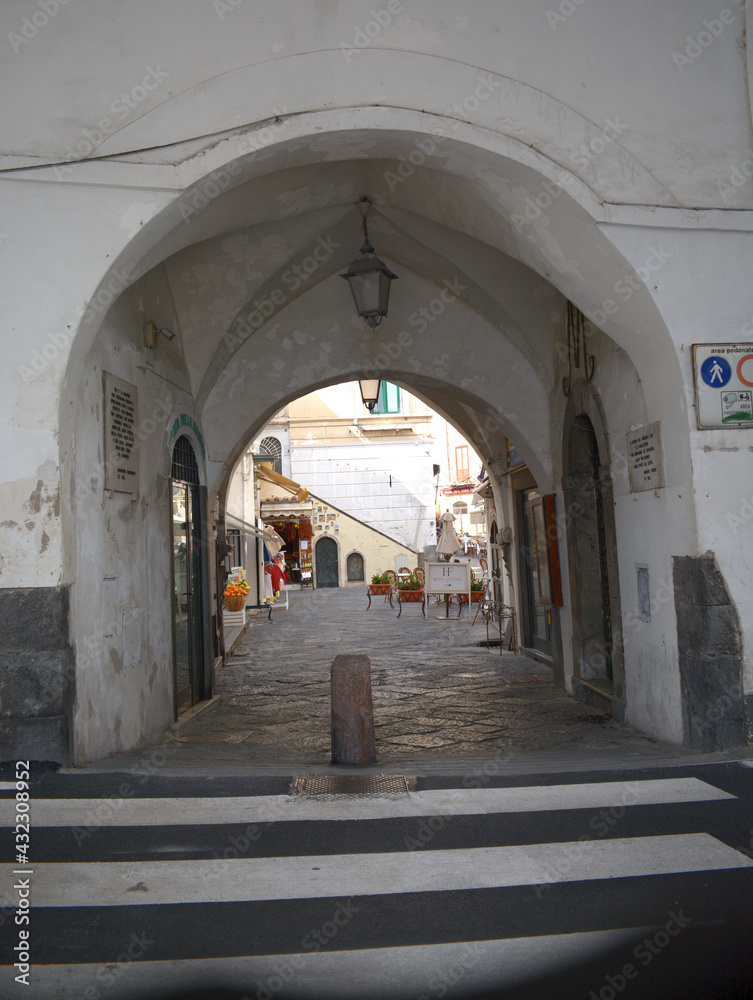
(369, 278)
(370, 388)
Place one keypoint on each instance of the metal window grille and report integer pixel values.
(185, 468)
(272, 447)
(355, 566)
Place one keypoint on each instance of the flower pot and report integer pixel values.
(235, 603)
(411, 596)
(379, 588)
(476, 597)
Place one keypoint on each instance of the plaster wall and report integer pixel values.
(389, 485)
(649, 530)
(215, 71)
(379, 553)
(122, 607)
(706, 296)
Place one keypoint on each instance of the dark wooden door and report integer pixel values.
(326, 563)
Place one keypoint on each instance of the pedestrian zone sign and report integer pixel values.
(723, 376)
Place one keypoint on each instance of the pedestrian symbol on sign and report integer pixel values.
(715, 371)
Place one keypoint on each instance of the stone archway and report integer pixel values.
(597, 644)
(477, 334)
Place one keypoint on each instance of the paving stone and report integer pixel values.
(439, 700)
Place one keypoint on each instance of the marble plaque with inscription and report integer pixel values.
(121, 439)
(645, 458)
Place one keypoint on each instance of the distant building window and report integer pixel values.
(271, 446)
(462, 463)
(355, 567)
(389, 399)
(459, 508)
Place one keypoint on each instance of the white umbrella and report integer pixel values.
(448, 544)
(273, 541)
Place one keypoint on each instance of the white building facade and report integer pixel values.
(567, 201)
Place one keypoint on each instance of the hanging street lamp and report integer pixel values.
(369, 278)
(370, 392)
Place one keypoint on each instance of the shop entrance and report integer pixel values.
(537, 592)
(592, 556)
(189, 578)
(326, 563)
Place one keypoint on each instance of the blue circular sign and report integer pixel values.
(715, 371)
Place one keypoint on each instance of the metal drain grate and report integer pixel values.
(213, 737)
(349, 784)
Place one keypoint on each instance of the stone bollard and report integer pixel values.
(353, 740)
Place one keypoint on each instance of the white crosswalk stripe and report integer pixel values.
(435, 802)
(315, 876)
(317, 893)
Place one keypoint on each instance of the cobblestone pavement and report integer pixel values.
(439, 697)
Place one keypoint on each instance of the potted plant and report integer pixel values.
(380, 584)
(477, 592)
(411, 589)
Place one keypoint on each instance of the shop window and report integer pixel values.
(389, 398)
(462, 463)
(271, 446)
(355, 567)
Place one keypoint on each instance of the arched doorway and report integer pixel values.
(326, 563)
(190, 576)
(592, 548)
(355, 568)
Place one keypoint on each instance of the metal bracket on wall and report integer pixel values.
(576, 349)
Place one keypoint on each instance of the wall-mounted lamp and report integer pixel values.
(369, 278)
(152, 332)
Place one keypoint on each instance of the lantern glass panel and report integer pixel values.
(366, 292)
(369, 391)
